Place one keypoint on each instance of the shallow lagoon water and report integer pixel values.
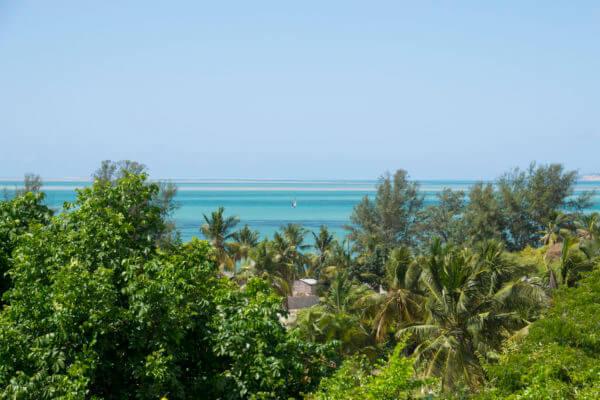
(266, 205)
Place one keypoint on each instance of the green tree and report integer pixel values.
(324, 244)
(97, 310)
(473, 304)
(483, 216)
(392, 218)
(356, 380)
(444, 219)
(244, 240)
(399, 304)
(530, 198)
(111, 172)
(557, 227)
(560, 356)
(572, 262)
(338, 318)
(218, 229)
(262, 360)
(31, 183)
(16, 219)
(588, 225)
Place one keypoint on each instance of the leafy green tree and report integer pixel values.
(392, 218)
(529, 200)
(16, 219)
(483, 216)
(263, 360)
(355, 380)
(97, 310)
(32, 183)
(111, 172)
(444, 219)
(370, 268)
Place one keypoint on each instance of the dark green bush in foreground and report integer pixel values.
(97, 311)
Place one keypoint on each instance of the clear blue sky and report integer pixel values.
(305, 89)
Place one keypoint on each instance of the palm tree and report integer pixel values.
(472, 306)
(556, 227)
(217, 229)
(588, 225)
(572, 262)
(266, 262)
(339, 259)
(323, 244)
(289, 244)
(337, 317)
(244, 240)
(400, 303)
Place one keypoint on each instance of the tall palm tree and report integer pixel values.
(339, 259)
(399, 304)
(218, 229)
(323, 244)
(556, 227)
(244, 240)
(266, 262)
(472, 306)
(337, 317)
(572, 262)
(588, 225)
(290, 245)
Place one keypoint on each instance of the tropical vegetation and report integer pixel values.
(488, 294)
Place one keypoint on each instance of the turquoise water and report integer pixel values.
(266, 205)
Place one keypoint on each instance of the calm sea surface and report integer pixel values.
(266, 205)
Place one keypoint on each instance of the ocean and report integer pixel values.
(265, 205)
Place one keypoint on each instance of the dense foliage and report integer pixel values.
(17, 216)
(560, 356)
(488, 296)
(355, 380)
(97, 310)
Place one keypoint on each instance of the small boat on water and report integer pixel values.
(294, 203)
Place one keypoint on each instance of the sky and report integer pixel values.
(305, 90)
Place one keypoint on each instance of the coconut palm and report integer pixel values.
(472, 307)
(572, 262)
(556, 227)
(399, 303)
(323, 244)
(588, 225)
(265, 262)
(290, 245)
(339, 259)
(337, 317)
(244, 240)
(218, 229)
